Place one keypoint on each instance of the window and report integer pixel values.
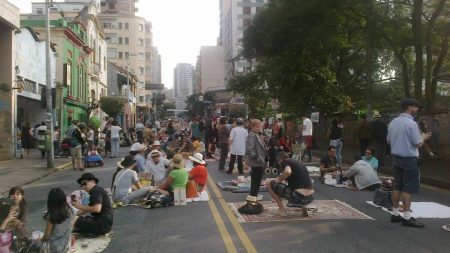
(120, 40)
(148, 98)
(141, 56)
(127, 55)
(247, 10)
(112, 6)
(103, 4)
(39, 11)
(120, 55)
(141, 27)
(148, 42)
(141, 42)
(112, 53)
(127, 40)
(141, 99)
(148, 56)
(107, 25)
(120, 25)
(141, 70)
(126, 26)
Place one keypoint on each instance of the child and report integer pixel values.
(59, 222)
(93, 158)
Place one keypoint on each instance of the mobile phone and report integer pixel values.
(73, 197)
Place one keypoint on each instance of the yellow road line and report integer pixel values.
(246, 242)
(231, 248)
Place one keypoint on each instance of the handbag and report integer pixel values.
(383, 198)
(191, 189)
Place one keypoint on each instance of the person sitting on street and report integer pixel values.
(157, 167)
(101, 219)
(157, 145)
(370, 159)
(59, 219)
(362, 175)
(177, 178)
(125, 181)
(328, 162)
(298, 190)
(199, 173)
(138, 151)
(285, 143)
(14, 213)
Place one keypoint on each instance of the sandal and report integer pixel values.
(446, 227)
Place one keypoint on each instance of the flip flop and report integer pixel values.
(446, 227)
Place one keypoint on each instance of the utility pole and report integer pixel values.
(155, 105)
(50, 158)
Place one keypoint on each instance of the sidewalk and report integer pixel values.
(435, 172)
(19, 172)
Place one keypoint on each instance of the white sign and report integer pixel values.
(315, 116)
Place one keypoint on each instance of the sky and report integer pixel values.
(180, 28)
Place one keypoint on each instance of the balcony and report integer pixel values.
(95, 70)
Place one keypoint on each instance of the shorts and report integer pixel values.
(295, 197)
(75, 152)
(406, 174)
(93, 226)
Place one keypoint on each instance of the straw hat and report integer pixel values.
(376, 114)
(198, 158)
(178, 161)
(155, 153)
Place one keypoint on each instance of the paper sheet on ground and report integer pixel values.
(203, 197)
(424, 210)
(94, 245)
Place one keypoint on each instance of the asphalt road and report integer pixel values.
(209, 227)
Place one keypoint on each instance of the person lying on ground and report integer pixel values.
(59, 217)
(298, 190)
(362, 175)
(177, 178)
(157, 167)
(199, 173)
(101, 215)
(14, 213)
(126, 186)
(328, 162)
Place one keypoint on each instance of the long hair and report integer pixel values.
(23, 202)
(57, 207)
(114, 177)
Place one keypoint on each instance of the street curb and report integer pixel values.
(5, 161)
(59, 168)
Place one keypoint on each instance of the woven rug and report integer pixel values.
(327, 210)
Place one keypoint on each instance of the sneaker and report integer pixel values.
(412, 222)
(396, 218)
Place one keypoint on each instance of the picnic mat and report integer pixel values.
(327, 210)
(230, 186)
(203, 197)
(423, 210)
(314, 171)
(91, 245)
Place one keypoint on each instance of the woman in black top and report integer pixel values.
(27, 138)
(335, 136)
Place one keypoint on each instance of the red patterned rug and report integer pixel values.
(327, 210)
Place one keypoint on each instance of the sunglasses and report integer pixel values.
(368, 153)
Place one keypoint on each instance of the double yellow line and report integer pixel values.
(229, 244)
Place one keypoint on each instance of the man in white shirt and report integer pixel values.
(139, 130)
(307, 132)
(238, 138)
(157, 167)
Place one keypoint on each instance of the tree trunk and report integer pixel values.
(418, 47)
(437, 68)
(405, 75)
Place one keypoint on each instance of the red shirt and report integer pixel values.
(199, 174)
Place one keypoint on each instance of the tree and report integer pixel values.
(112, 105)
(164, 113)
(196, 107)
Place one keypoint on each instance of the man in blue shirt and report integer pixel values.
(405, 139)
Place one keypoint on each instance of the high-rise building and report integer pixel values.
(183, 77)
(156, 66)
(210, 69)
(235, 17)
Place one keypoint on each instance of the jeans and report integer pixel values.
(256, 178)
(132, 196)
(223, 155)
(114, 146)
(338, 145)
(55, 148)
(240, 164)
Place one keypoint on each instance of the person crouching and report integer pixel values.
(299, 190)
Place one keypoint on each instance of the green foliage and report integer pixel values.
(196, 107)
(164, 113)
(112, 105)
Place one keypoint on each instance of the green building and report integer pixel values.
(70, 42)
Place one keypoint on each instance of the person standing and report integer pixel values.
(27, 138)
(76, 141)
(55, 139)
(223, 135)
(256, 152)
(364, 134)
(335, 135)
(139, 131)
(238, 137)
(307, 132)
(379, 136)
(42, 127)
(405, 139)
(115, 139)
(107, 135)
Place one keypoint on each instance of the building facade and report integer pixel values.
(210, 69)
(183, 77)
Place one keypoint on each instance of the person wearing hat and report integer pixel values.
(157, 166)
(379, 136)
(100, 220)
(298, 190)
(364, 133)
(405, 139)
(199, 173)
(238, 137)
(177, 177)
(157, 145)
(138, 151)
(125, 179)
